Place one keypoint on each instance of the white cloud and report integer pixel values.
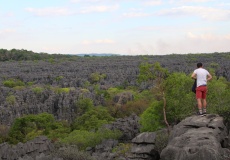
(102, 8)
(51, 11)
(135, 14)
(207, 13)
(152, 2)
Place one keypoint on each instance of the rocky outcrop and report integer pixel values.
(143, 147)
(198, 138)
(104, 151)
(37, 148)
(129, 127)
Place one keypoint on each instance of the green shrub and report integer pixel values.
(13, 83)
(11, 99)
(151, 119)
(30, 126)
(37, 90)
(83, 105)
(61, 90)
(58, 78)
(114, 91)
(180, 100)
(84, 139)
(30, 83)
(92, 119)
(19, 88)
(96, 77)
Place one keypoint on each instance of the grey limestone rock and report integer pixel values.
(143, 147)
(198, 138)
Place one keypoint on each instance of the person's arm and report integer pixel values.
(193, 75)
(209, 77)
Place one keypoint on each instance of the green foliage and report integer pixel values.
(92, 119)
(218, 97)
(96, 77)
(84, 105)
(152, 118)
(61, 90)
(30, 83)
(19, 88)
(150, 72)
(114, 91)
(38, 90)
(30, 126)
(180, 99)
(145, 94)
(13, 83)
(100, 92)
(11, 99)
(84, 139)
(146, 72)
(58, 78)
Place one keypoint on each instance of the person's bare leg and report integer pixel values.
(199, 105)
(204, 105)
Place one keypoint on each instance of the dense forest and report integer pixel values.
(67, 96)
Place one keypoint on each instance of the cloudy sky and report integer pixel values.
(129, 27)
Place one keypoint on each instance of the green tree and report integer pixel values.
(152, 119)
(92, 119)
(181, 100)
(29, 125)
(83, 105)
(155, 75)
(218, 97)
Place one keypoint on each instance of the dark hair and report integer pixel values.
(199, 65)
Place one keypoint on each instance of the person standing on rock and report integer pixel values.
(202, 76)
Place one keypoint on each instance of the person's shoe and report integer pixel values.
(200, 114)
(204, 113)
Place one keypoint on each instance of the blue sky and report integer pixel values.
(129, 27)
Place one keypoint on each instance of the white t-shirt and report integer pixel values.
(201, 76)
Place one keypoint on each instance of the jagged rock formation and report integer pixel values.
(129, 127)
(74, 73)
(34, 149)
(143, 147)
(198, 138)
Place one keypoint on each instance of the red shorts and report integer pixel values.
(201, 92)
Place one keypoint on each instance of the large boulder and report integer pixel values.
(198, 138)
(143, 147)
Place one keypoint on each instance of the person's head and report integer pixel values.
(199, 65)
